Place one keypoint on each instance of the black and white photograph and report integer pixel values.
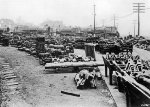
(74, 53)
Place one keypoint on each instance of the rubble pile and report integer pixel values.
(115, 45)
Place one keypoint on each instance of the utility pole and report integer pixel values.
(117, 26)
(103, 22)
(134, 22)
(114, 20)
(94, 19)
(59, 28)
(138, 8)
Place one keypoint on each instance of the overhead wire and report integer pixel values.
(126, 15)
(118, 18)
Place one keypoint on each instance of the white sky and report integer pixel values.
(78, 12)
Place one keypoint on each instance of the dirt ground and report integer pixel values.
(39, 88)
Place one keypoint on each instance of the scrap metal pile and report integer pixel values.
(110, 45)
(132, 77)
(140, 42)
(79, 44)
(86, 68)
(53, 56)
(46, 50)
(86, 78)
(86, 72)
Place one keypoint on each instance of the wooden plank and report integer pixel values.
(6, 72)
(90, 44)
(73, 64)
(12, 83)
(10, 77)
(68, 93)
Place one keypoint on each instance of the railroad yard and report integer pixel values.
(54, 54)
(30, 85)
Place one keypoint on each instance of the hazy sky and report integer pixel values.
(78, 12)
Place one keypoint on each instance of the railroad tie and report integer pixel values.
(10, 77)
(9, 80)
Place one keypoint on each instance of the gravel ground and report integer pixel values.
(43, 89)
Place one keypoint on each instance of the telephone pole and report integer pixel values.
(114, 20)
(138, 8)
(134, 22)
(94, 19)
(103, 22)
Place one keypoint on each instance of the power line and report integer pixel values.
(118, 18)
(125, 16)
(138, 8)
(114, 18)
